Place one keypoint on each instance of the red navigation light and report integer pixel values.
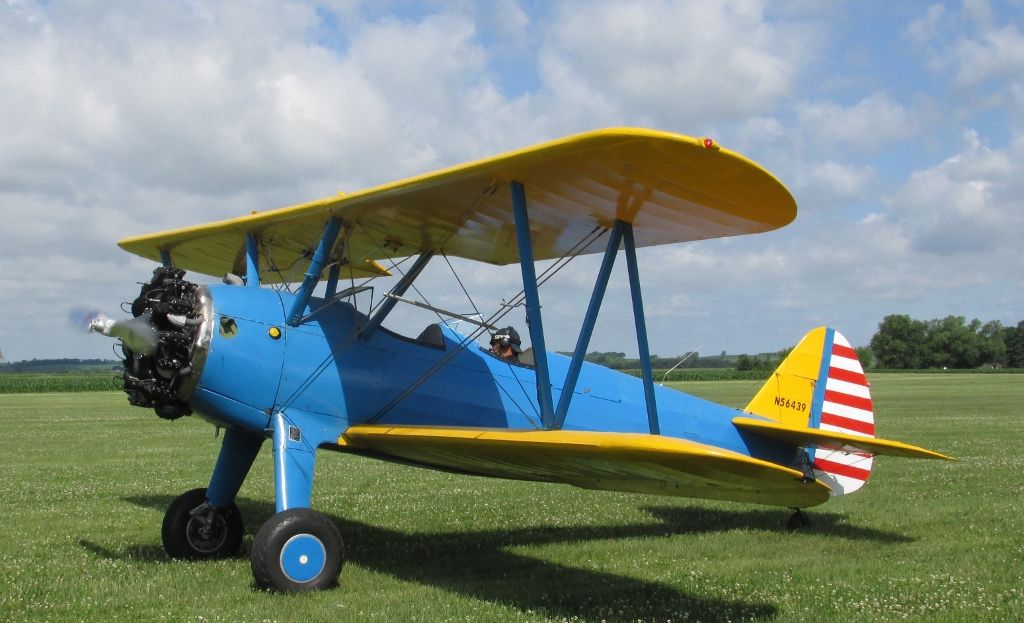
(709, 143)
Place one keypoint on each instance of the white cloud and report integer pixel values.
(117, 122)
(997, 54)
(682, 64)
(926, 28)
(865, 126)
(983, 54)
(969, 203)
(841, 181)
(510, 21)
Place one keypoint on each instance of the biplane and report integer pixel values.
(281, 352)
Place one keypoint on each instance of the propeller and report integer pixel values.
(137, 334)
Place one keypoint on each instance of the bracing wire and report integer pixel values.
(549, 272)
(464, 291)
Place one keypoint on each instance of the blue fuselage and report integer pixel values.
(323, 367)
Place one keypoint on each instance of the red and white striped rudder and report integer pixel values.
(842, 405)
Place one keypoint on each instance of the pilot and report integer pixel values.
(506, 344)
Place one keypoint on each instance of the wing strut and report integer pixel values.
(165, 257)
(252, 261)
(316, 268)
(600, 286)
(332, 280)
(533, 319)
(390, 301)
(621, 232)
(641, 329)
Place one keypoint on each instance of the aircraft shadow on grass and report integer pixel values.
(480, 564)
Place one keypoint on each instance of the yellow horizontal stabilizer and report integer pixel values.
(672, 188)
(592, 460)
(842, 442)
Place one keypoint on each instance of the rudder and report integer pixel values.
(796, 396)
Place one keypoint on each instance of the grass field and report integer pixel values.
(86, 479)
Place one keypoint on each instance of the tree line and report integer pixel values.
(903, 343)
(49, 366)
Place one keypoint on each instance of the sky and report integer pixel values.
(898, 128)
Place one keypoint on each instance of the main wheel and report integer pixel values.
(297, 550)
(193, 529)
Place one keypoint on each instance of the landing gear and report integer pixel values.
(297, 550)
(193, 529)
(798, 521)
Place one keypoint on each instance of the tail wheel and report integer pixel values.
(193, 529)
(297, 550)
(798, 521)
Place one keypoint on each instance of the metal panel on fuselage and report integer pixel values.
(242, 371)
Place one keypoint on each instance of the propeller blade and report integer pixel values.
(137, 333)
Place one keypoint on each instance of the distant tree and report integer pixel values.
(952, 342)
(745, 362)
(899, 342)
(993, 343)
(609, 359)
(867, 358)
(1014, 339)
(955, 343)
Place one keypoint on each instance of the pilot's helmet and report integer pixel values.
(508, 337)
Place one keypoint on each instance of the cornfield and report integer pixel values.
(52, 383)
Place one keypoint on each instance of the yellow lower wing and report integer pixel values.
(803, 436)
(592, 460)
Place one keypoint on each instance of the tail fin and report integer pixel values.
(821, 385)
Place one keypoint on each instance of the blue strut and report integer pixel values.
(399, 289)
(600, 286)
(252, 261)
(316, 268)
(641, 329)
(533, 319)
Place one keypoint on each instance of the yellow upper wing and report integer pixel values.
(593, 460)
(672, 188)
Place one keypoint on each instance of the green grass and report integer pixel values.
(87, 479)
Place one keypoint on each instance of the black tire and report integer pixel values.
(190, 537)
(297, 550)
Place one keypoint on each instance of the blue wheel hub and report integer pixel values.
(303, 558)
